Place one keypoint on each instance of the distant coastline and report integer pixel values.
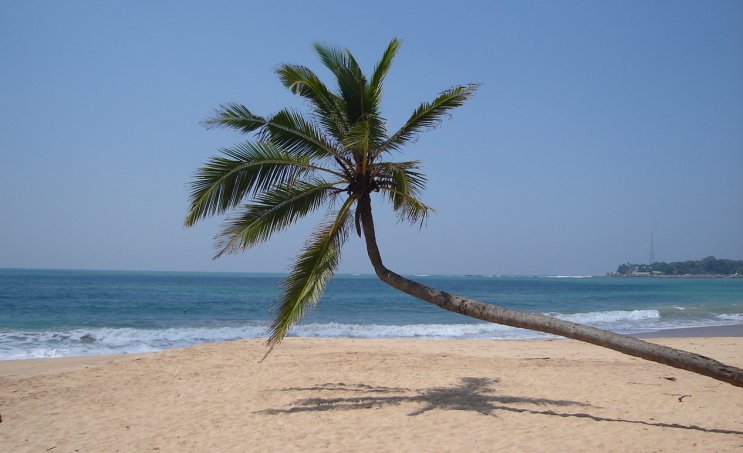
(646, 275)
(709, 267)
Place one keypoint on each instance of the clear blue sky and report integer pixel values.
(597, 123)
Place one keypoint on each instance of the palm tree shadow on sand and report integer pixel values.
(471, 394)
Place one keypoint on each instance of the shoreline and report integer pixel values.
(730, 330)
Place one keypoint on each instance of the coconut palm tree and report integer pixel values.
(336, 157)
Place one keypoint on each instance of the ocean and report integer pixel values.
(56, 313)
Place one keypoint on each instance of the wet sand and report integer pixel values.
(735, 330)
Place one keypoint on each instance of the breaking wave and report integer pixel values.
(97, 341)
(604, 317)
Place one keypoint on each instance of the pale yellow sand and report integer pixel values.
(372, 395)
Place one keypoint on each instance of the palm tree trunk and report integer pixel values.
(542, 323)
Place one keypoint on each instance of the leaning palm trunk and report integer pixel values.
(337, 157)
(535, 321)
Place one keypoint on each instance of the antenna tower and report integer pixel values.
(652, 250)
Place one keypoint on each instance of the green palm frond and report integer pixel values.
(234, 116)
(380, 72)
(291, 131)
(245, 169)
(328, 107)
(402, 176)
(288, 128)
(351, 80)
(403, 184)
(271, 212)
(372, 99)
(303, 81)
(311, 271)
(428, 115)
(358, 139)
(408, 208)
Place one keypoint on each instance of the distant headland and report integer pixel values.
(708, 267)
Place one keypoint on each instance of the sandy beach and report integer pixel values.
(373, 395)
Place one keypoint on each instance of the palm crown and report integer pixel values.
(333, 156)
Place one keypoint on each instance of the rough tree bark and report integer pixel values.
(542, 323)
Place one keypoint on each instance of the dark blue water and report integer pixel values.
(55, 313)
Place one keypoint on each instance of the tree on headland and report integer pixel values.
(709, 266)
(338, 156)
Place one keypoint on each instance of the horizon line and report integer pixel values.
(371, 274)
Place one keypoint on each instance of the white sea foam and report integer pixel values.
(613, 316)
(569, 276)
(478, 330)
(26, 345)
(738, 317)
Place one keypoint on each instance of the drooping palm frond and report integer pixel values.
(403, 185)
(247, 168)
(428, 115)
(409, 208)
(272, 211)
(311, 271)
(403, 175)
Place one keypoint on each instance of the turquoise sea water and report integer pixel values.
(50, 313)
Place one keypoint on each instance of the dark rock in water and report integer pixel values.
(87, 338)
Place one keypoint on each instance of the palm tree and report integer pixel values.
(337, 156)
